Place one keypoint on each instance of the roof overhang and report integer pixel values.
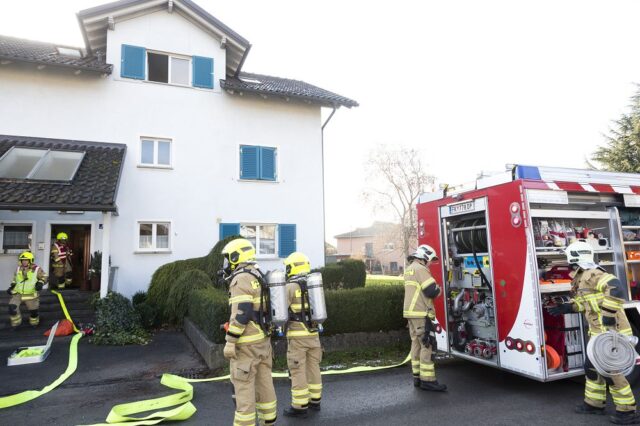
(95, 22)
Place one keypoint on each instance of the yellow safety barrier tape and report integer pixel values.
(22, 397)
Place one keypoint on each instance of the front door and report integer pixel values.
(80, 244)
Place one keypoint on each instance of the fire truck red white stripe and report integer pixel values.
(586, 187)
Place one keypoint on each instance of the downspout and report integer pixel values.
(324, 208)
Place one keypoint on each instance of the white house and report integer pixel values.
(150, 143)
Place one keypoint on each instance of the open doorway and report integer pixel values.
(80, 244)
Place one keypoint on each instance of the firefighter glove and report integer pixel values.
(39, 285)
(608, 321)
(229, 351)
(10, 289)
(563, 308)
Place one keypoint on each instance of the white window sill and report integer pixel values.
(267, 257)
(151, 251)
(153, 166)
(183, 86)
(258, 181)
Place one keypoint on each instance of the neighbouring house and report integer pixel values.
(151, 143)
(379, 246)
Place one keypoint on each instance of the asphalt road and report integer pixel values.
(478, 395)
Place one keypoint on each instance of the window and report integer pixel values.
(263, 238)
(368, 249)
(163, 68)
(41, 164)
(258, 163)
(16, 238)
(389, 246)
(393, 266)
(268, 239)
(155, 152)
(154, 236)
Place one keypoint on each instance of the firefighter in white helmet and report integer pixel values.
(420, 288)
(248, 344)
(599, 295)
(304, 351)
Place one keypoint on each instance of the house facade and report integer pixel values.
(379, 246)
(207, 150)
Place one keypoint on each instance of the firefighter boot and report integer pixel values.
(296, 412)
(416, 382)
(625, 418)
(585, 408)
(315, 406)
(432, 386)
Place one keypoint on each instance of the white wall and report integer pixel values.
(206, 127)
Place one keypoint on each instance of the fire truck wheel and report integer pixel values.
(634, 377)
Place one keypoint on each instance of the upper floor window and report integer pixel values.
(258, 163)
(155, 152)
(140, 64)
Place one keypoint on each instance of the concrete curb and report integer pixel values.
(211, 352)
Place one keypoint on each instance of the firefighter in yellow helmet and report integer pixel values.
(304, 351)
(420, 288)
(248, 344)
(27, 282)
(600, 296)
(61, 261)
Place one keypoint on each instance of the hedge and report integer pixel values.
(117, 323)
(373, 280)
(348, 273)
(180, 292)
(370, 309)
(166, 276)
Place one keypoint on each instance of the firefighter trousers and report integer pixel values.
(595, 391)
(62, 273)
(303, 359)
(421, 364)
(253, 385)
(33, 304)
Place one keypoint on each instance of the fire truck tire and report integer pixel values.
(634, 377)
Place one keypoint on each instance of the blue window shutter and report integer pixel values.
(286, 240)
(229, 229)
(133, 62)
(249, 162)
(267, 163)
(202, 72)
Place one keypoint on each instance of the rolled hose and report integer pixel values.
(612, 353)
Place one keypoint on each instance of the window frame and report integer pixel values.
(257, 245)
(154, 236)
(5, 223)
(169, 55)
(36, 167)
(155, 164)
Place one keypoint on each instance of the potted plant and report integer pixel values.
(95, 269)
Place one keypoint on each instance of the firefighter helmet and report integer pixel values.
(580, 253)
(26, 255)
(297, 263)
(62, 236)
(236, 252)
(424, 252)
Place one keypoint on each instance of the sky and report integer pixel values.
(474, 85)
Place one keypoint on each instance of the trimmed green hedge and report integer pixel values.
(373, 280)
(363, 309)
(187, 283)
(209, 309)
(348, 273)
(166, 276)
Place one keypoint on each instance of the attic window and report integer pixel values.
(40, 164)
(250, 80)
(68, 51)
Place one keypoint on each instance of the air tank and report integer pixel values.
(277, 281)
(316, 298)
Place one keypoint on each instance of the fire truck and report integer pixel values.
(501, 244)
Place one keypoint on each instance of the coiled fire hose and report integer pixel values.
(612, 353)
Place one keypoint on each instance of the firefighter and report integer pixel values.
(599, 295)
(248, 346)
(419, 291)
(27, 282)
(304, 352)
(61, 258)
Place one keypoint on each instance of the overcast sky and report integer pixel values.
(474, 84)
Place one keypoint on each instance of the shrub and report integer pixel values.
(139, 297)
(117, 323)
(369, 309)
(354, 273)
(209, 309)
(148, 315)
(373, 280)
(332, 276)
(180, 292)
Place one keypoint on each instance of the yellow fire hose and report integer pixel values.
(181, 401)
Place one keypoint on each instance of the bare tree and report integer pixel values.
(396, 177)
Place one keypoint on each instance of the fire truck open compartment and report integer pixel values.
(503, 263)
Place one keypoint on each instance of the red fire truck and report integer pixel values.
(502, 261)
